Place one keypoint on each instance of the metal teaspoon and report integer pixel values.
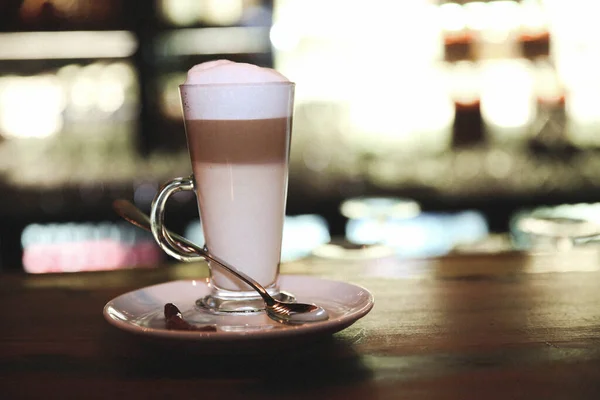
(291, 313)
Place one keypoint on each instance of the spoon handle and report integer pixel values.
(136, 217)
(204, 253)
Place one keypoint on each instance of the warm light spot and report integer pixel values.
(507, 97)
(222, 12)
(31, 107)
(181, 12)
(283, 37)
(476, 15)
(453, 17)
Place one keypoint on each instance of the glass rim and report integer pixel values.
(241, 84)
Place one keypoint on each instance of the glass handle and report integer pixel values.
(157, 218)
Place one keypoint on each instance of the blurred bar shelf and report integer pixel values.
(67, 45)
(462, 176)
(207, 41)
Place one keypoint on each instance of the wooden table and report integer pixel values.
(452, 328)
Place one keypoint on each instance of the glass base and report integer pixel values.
(227, 302)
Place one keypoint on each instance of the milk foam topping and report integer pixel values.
(224, 90)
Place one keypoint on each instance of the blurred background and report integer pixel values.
(421, 128)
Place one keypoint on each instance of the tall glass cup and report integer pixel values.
(238, 138)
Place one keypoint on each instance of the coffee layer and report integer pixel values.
(238, 141)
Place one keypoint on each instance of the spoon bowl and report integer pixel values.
(290, 313)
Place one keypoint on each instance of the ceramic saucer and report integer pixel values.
(141, 311)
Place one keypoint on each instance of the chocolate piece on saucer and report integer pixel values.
(174, 321)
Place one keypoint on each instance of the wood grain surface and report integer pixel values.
(435, 334)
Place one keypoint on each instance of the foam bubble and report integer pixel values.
(202, 100)
(225, 71)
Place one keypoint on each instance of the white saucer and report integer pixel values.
(141, 311)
